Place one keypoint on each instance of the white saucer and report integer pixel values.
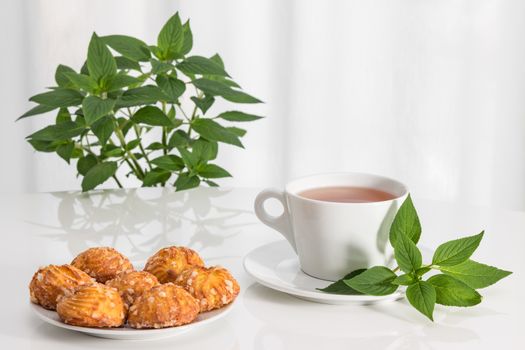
(275, 265)
(126, 333)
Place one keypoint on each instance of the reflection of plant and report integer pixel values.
(105, 110)
(145, 223)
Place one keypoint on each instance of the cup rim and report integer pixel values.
(404, 188)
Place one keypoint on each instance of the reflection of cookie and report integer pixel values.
(169, 262)
(102, 263)
(95, 305)
(162, 306)
(51, 282)
(132, 284)
(213, 287)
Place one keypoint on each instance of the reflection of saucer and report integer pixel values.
(276, 266)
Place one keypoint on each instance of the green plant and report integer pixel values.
(455, 285)
(105, 110)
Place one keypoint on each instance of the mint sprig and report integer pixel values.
(455, 285)
(128, 92)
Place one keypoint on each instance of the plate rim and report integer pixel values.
(311, 295)
(147, 333)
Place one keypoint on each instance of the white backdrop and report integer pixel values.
(429, 92)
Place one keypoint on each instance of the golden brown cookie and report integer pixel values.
(95, 305)
(169, 262)
(132, 284)
(102, 263)
(52, 281)
(165, 305)
(214, 287)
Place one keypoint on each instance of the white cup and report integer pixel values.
(334, 238)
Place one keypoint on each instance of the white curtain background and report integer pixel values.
(429, 92)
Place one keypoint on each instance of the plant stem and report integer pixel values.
(137, 170)
(194, 113)
(164, 140)
(137, 131)
(164, 133)
(183, 112)
(396, 269)
(117, 181)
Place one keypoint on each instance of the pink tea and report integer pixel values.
(347, 194)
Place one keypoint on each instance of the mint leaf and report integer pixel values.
(81, 81)
(39, 109)
(406, 222)
(205, 150)
(407, 254)
(475, 274)
(95, 108)
(216, 88)
(103, 128)
(203, 103)
(61, 131)
(86, 163)
(128, 46)
(132, 144)
(201, 65)
(65, 151)
(100, 62)
(236, 116)
(422, 296)
(456, 251)
(212, 171)
(451, 292)
(405, 280)
(126, 63)
(169, 162)
(98, 174)
(340, 287)
(237, 131)
(185, 181)
(171, 38)
(63, 115)
(60, 75)
(143, 95)
(173, 88)
(151, 115)
(213, 131)
(187, 38)
(59, 97)
(178, 139)
(156, 176)
(158, 67)
(44, 146)
(422, 270)
(110, 151)
(120, 81)
(376, 280)
(189, 158)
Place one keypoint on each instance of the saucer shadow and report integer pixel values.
(295, 323)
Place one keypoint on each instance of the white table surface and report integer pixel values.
(39, 229)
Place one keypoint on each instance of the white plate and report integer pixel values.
(276, 266)
(126, 333)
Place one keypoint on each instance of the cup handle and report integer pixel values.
(279, 223)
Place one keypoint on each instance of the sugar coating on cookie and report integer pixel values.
(96, 305)
(51, 282)
(169, 262)
(165, 305)
(102, 263)
(214, 287)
